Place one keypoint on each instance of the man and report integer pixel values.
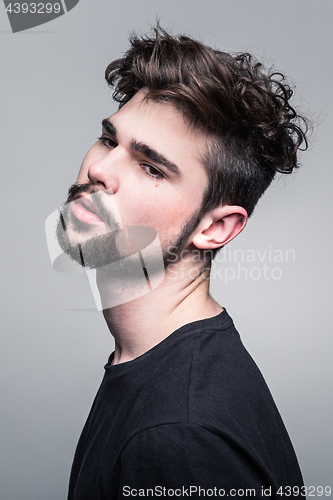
(182, 409)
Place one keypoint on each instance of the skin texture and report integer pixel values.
(149, 191)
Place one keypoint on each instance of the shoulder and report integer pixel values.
(223, 373)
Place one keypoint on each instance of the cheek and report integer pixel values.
(166, 216)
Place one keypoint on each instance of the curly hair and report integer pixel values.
(243, 108)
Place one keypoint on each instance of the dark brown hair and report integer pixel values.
(244, 109)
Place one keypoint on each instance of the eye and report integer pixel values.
(107, 141)
(152, 171)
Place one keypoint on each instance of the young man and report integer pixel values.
(182, 409)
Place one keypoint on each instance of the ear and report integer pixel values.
(219, 226)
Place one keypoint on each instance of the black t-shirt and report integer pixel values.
(192, 417)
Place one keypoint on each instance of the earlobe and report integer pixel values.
(219, 226)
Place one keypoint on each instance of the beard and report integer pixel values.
(173, 253)
(89, 245)
(95, 247)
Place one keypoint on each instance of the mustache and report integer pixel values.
(106, 214)
(76, 189)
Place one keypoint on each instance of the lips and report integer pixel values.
(84, 210)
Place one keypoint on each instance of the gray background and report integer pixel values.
(53, 98)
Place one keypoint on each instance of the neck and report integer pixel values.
(142, 323)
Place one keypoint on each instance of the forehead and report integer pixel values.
(163, 128)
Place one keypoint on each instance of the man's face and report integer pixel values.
(146, 170)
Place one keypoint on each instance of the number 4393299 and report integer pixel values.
(33, 8)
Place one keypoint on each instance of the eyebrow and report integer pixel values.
(144, 149)
(109, 127)
(154, 156)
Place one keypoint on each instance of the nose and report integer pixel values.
(104, 173)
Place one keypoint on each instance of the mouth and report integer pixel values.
(85, 211)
